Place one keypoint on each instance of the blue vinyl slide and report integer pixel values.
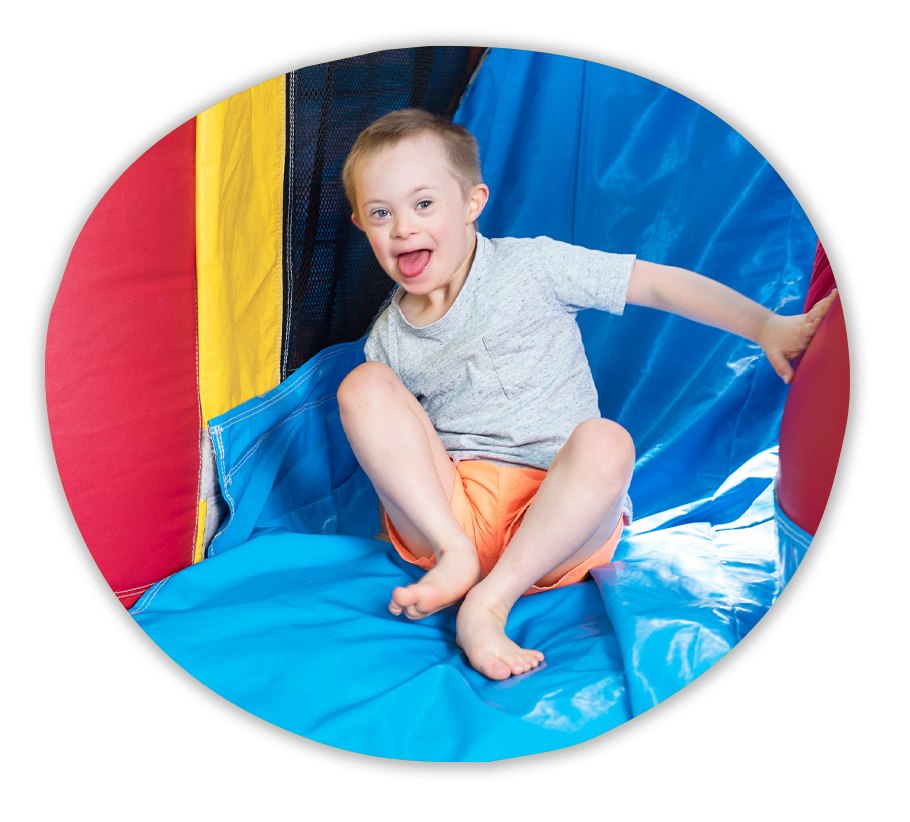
(288, 618)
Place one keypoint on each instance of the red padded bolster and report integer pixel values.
(822, 278)
(120, 371)
(815, 416)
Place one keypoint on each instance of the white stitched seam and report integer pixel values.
(792, 532)
(787, 525)
(289, 231)
(288, 418)
(158, 587)
(199, 415)
(216, 430)
(154, 592)
(128, 591)
(282, 93)
(224, 491)
(221, 448)
(293, 384)
(299, 377)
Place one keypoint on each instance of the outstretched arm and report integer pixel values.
(706, 301)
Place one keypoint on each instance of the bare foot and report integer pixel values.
(481, 635)
(455, 573)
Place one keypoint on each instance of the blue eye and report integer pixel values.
(380, 213)
(424, 203)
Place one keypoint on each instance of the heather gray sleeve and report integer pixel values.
(376, 347)
(582, 278)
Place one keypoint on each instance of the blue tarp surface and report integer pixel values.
(288, 617)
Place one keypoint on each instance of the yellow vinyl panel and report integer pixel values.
(239, 189)
(199, 550)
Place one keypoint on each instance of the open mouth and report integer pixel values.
(412, 263)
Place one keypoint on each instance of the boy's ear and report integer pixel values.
(356, 221)
(477, 200)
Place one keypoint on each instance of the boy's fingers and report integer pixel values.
(781, 362)
(822, 307)
(782, 366)
(807, 332)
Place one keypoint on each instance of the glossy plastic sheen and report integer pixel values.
(294, 627)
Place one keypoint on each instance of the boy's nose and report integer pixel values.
(404, 227)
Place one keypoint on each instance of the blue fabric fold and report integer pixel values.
(688, 584)
(284, 461)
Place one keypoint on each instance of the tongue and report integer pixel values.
(413, 262)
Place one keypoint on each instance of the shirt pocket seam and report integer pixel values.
(494, 343)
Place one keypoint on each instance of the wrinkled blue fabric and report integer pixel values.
(287, 616)
(285, 456)
(793, 542)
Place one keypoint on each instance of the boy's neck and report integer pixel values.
(421, 310)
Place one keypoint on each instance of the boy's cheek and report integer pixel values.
(389, 268)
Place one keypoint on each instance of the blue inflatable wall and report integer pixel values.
(288, 616)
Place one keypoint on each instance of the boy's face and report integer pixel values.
(415, 216)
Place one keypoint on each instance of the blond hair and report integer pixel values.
(457, 142)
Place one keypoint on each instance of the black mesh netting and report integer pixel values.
(333, 284)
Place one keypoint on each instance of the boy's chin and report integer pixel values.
(412, 286)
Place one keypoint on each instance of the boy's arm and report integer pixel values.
(706, 301)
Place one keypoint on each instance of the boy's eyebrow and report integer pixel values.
(415, 191)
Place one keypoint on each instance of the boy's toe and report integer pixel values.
(402, 599)
(405, 596)
(489, 664)
(499, 671)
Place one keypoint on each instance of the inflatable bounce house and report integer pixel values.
(218, 295)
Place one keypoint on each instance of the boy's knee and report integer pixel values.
(363, 384)
(607, 446)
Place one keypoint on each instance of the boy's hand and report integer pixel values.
(706, 301)
(784, 338)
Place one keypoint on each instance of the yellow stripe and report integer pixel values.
(200, 531)
(239, 186)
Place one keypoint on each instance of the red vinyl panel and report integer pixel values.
(121, 375)
(822, 278)
(815, 416)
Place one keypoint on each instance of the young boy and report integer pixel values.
(476, 415)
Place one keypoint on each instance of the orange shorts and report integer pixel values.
(489, 502)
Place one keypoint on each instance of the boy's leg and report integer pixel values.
(573, 514)
(396, 445)
(383, 525)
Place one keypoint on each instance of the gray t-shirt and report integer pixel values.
(503, 374)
